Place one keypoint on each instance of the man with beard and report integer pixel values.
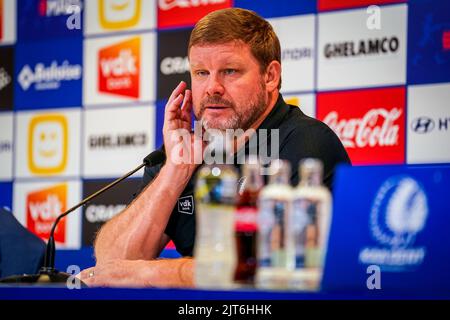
(235, 62)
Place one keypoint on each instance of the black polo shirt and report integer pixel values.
(300, 137)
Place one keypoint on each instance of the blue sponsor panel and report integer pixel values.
(48, 74)
(428, 41)
(6, 195)
(390, 230)
(278, 8)
(160, 107)
(39, 19)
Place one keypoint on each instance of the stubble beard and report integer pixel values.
(240, 119)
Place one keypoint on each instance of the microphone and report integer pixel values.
(155, 158)
(48, 274)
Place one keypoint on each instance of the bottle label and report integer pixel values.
(246, 219)
(305, 232)
(272, 233)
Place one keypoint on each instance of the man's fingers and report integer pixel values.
(173, 108)
(84, 274)
(187, 100)
(179, 89)
(186, 106)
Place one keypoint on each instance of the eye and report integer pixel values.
(229, 71)
(201, 73)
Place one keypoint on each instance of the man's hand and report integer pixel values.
(184, 152)
(116, 273)
(140, 273)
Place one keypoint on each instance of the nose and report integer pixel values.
(214, 85)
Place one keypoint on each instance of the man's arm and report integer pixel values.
(141, 273)
(138, 231)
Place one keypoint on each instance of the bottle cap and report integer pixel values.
(251, 173)
(311, 170)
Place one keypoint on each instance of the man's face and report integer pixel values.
(228, 89)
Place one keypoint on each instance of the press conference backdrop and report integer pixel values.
(83, 85)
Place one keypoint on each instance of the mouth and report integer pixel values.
(216, 107)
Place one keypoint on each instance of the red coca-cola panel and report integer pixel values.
(370, 123)
(178, 13)
(324, 5)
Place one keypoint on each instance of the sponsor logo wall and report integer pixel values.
(306, 103)
(115, 66)
(110, 16)
(179, 13)
(173, 63)
(6, 146)
(38, 203)
(106, 206)
(6, 78)
(367, 58)
(48, 143)
(49, 19)
(324, 5)
(83, 87)
(370, 123)
(8, 21)
(48, 74)
(116, 139)
(428, 123)
(6, 195)
(428, 42)
(297, 55)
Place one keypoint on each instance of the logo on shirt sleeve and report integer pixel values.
(186, 205)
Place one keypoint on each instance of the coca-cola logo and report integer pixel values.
(376, 128)
(369, 122)
(246, 219)
(170, 4)
(178, 13)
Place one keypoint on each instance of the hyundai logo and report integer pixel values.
(422, 125)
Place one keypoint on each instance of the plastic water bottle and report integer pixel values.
(309, 226)
(215, 246)
(274, 208)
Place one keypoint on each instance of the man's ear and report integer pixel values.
(273, 75)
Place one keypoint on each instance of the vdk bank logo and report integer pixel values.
(399, 213)
(119, 14)
(119, 68)
(186, 205)
(47, 144)
(43, 207)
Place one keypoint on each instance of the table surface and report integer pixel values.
(63, 293)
